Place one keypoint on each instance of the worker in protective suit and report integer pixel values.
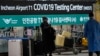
(92, 32)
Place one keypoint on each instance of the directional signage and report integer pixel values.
(44, 7)
(35, 20)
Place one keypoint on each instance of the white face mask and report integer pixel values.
(48, 21)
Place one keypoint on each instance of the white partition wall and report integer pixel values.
(15, 48)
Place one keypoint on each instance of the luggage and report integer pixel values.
(68, 42)
(66, 34)
(84, 41)
(59, 41)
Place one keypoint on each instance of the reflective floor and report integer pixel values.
(84, 53)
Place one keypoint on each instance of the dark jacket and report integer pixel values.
(48, 37)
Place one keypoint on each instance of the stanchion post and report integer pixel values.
(30, 53)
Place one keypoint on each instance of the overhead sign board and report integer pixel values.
(44, 7)
(35, 20)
